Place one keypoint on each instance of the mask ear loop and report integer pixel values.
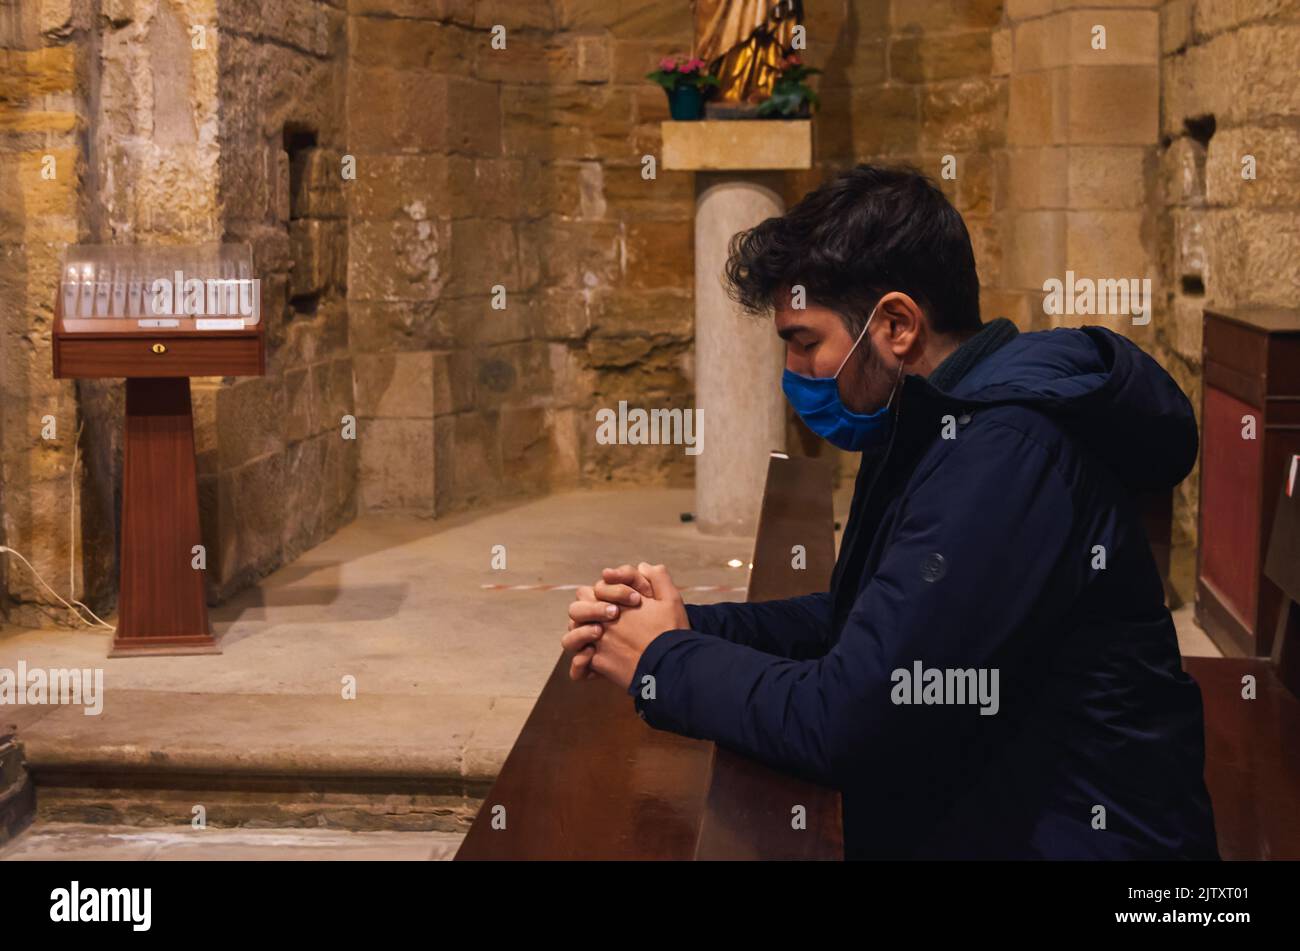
(865, 327)
(898, 379)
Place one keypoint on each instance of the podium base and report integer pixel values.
(177, 646)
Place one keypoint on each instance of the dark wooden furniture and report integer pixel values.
(1252, 763)
(588, 779)
(162, 602)
(1251, 369)
(177, 354)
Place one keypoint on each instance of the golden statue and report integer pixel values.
(744, 43)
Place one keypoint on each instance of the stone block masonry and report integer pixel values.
(40, 167)
(1228, 202)
(482, 175)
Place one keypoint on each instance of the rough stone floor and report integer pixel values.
(446, 671)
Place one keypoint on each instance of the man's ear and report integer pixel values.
(906, 326)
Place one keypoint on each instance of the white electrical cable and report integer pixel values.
(72, 545)
(18, 555)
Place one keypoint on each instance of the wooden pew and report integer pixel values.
(1252, 766)
(588, 779)
(748, 810)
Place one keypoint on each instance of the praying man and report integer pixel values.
(994, 527)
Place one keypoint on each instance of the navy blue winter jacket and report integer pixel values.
(998, 531)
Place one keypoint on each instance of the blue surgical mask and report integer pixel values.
(817, 401)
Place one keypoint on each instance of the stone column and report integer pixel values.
(738, 363)
(738, 358)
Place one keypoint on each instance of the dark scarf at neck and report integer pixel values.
(989, 338)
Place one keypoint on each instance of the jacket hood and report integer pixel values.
(1104, 390)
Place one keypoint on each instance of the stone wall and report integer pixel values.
(1075, 180)
(913, 81)
(422, 129)
(514, 176)
(511, 173)
(618, 296)
(41, 115)
(276, 474)
(1229, 108)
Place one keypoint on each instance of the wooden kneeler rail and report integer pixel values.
(588, 779)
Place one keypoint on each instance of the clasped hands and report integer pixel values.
(612, 622)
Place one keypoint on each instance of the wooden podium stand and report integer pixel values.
(162, 604)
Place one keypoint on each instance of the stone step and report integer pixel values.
(17, 793)
(401, 762)
(65, 841)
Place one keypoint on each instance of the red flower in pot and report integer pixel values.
(685, 81)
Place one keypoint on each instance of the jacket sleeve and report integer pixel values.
(796, 628)
(984, 538)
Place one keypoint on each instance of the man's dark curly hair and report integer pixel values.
(869, 231)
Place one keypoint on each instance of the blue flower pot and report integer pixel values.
(685, 103)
